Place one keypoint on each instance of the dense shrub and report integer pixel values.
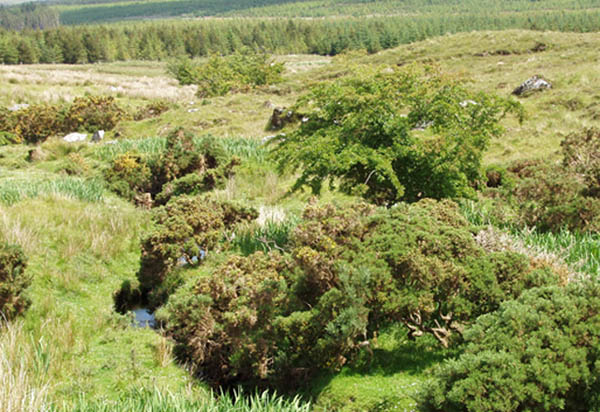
(13, 281)
(229, 324)
(537, 353)
(551, 197)
(436, 278)
(181, 168)
(220, 75)
(185, 230)
(391, 135)
(93, 113)
(280, 317)
(129, 175)
(36, 123)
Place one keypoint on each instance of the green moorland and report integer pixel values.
(81, 230)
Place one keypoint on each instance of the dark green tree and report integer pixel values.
(392, 135)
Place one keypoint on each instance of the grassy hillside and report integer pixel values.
(73, 12)
(83, 241)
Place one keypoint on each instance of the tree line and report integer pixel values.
(28, 16)
(168, 39)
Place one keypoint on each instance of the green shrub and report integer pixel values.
(221, 75)
(537, 353)
(36, 123)
(392, 135)
(436, 279)
(93, 113)
(129, 175)
(280, 317)
(75, 164)
(552, 198)
(228, 328)
(184, 166)
(13, 281)
(185, 230)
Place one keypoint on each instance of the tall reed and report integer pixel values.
(19, 391)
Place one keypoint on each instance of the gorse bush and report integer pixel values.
(13, 281)
(221, 75)
(537, 353)
(185, 231)
(436, 279)
(392, 135)
(184, 166)
(36, 123)
(280, 317)
(93, 113)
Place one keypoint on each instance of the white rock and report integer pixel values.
(75, 137)
(465, 103)
(18, 107)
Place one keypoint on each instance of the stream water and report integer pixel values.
(143, 318)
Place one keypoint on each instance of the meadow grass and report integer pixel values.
(236, 146)
(269, 236)
(13, 190)
(580, 251)
(79, 253)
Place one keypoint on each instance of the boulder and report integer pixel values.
(75, 137)
(98, 136)
(530, 85)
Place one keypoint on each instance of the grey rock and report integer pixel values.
(532, 84)
(75, 137)
(422, 125)
(98, 135)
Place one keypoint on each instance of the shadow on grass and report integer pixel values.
(393, 353)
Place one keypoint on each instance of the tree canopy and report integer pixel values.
(393, 134)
